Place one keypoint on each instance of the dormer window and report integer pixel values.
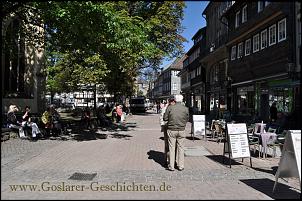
(244, 14)
(260, 6)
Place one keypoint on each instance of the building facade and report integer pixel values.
(216, 60)
(262, 57)
(23, 72)
(193, 74)
(168, 81)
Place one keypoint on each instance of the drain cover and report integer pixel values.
(82, 176)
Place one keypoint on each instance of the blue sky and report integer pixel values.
(192, 22)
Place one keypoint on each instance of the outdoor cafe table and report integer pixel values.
(266, 138)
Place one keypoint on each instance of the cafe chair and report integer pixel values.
(272, 130)
(279, 142)
(254, 140)
(251, 128)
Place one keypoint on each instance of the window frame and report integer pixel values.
(237, 19)
(244, 14)
(266, 3)
(254, 43)
(261, 40)
(269, 35)
(250, 44)
(174, 86)
(240, 50)
(233, 52)
(259, 4)
(279, 27)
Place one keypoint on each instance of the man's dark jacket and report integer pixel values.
(177, 117)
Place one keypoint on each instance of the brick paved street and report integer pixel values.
(135, 156)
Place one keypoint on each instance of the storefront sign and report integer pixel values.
(290, 162)
(199, 125)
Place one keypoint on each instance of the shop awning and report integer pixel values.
(283, 83)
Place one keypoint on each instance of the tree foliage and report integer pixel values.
(103, 42)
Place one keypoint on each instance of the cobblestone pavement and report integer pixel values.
(130, 165)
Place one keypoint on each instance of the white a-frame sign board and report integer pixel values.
(199, 125)
(290, 161)
(237, 142)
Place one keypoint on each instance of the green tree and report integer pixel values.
(107, 42)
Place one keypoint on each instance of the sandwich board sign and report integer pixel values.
(237, 144)
(290, 161)
(199, 126)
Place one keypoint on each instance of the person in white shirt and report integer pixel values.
(163, 125)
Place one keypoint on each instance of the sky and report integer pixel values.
(192, 22)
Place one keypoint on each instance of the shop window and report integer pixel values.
(283, 98)
(246, 99)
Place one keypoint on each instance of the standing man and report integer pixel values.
(273, 112)
(177, 116)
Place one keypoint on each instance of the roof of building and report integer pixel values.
(178, 63)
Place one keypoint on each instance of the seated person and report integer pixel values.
(86, 117)
(51, 120)
(103, 119)
(26, 122)
(57, 127)
(12, 121)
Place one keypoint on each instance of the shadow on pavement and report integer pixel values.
(86, 135)
(192, 138)
(120, 136)
(272, 171)
(223, 160)
(157, 156)
(265, 186)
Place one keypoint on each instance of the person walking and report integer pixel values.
(177, 116)
(157, 107)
